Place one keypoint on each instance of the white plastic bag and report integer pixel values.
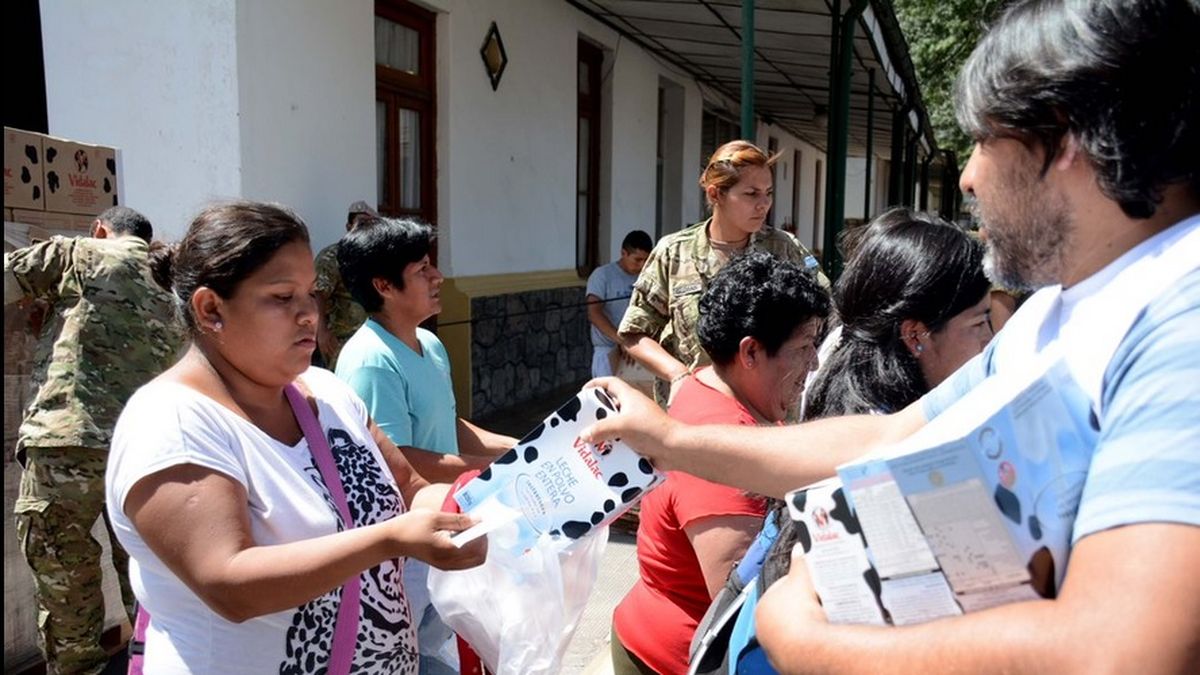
(545, 506)
(517, 611)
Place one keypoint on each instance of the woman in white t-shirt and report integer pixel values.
(236, 548)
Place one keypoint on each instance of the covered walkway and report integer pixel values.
(836, 75)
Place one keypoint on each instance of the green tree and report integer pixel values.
(941, 35)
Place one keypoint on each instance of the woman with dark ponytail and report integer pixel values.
(266, 516)
(913, 302)
(160, 258)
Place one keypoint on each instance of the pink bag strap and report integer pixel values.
(345, 634)
(137, 643)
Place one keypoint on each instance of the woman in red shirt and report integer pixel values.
(759, 323)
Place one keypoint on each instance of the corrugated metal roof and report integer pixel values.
(791, 69)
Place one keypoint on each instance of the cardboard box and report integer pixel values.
(25, 227)
(46, 220)
(20, 235)
(23, 170)
(552, 488)
(79, 178)
(82, 224)
(74, 226)
(14, 407)
(20, 341)
(28, 227)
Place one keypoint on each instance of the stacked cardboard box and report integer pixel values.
(19, 344)
(51, 186)
(24, 183)
(54, 186)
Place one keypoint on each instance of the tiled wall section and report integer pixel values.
(525, 345)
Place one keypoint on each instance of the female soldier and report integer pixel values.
(659, 327)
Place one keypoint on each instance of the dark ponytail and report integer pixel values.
(906, 265)
(162, 262)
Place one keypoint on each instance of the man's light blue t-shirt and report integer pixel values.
(1146, 466)
(409, 395)
(613, 285)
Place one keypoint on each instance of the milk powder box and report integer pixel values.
(553, 486)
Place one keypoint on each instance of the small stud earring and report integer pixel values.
(920, 348)
(217, 326)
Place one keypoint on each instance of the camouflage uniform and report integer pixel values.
(345, 315)
(110, 329)
(666, 296)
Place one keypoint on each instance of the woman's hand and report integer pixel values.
(424, 534)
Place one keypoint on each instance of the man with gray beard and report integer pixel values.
(1086, 181)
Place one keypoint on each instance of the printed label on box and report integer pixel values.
(79, 178)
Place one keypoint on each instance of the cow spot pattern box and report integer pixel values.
(553, 486)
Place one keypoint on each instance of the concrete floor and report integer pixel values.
(588, 652)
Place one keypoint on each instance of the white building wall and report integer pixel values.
(693, 124)
(263, 99)
(812, 226)
(633, 143)
(882, 173)
(786, 174)
(158, 81)
(856, 174)
(306, 88)
(506, 158)
(506, 162)
(274, 100)
(855, 186)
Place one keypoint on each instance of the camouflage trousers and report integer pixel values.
(61, 496)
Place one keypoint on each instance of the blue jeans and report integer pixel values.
(432, 632)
